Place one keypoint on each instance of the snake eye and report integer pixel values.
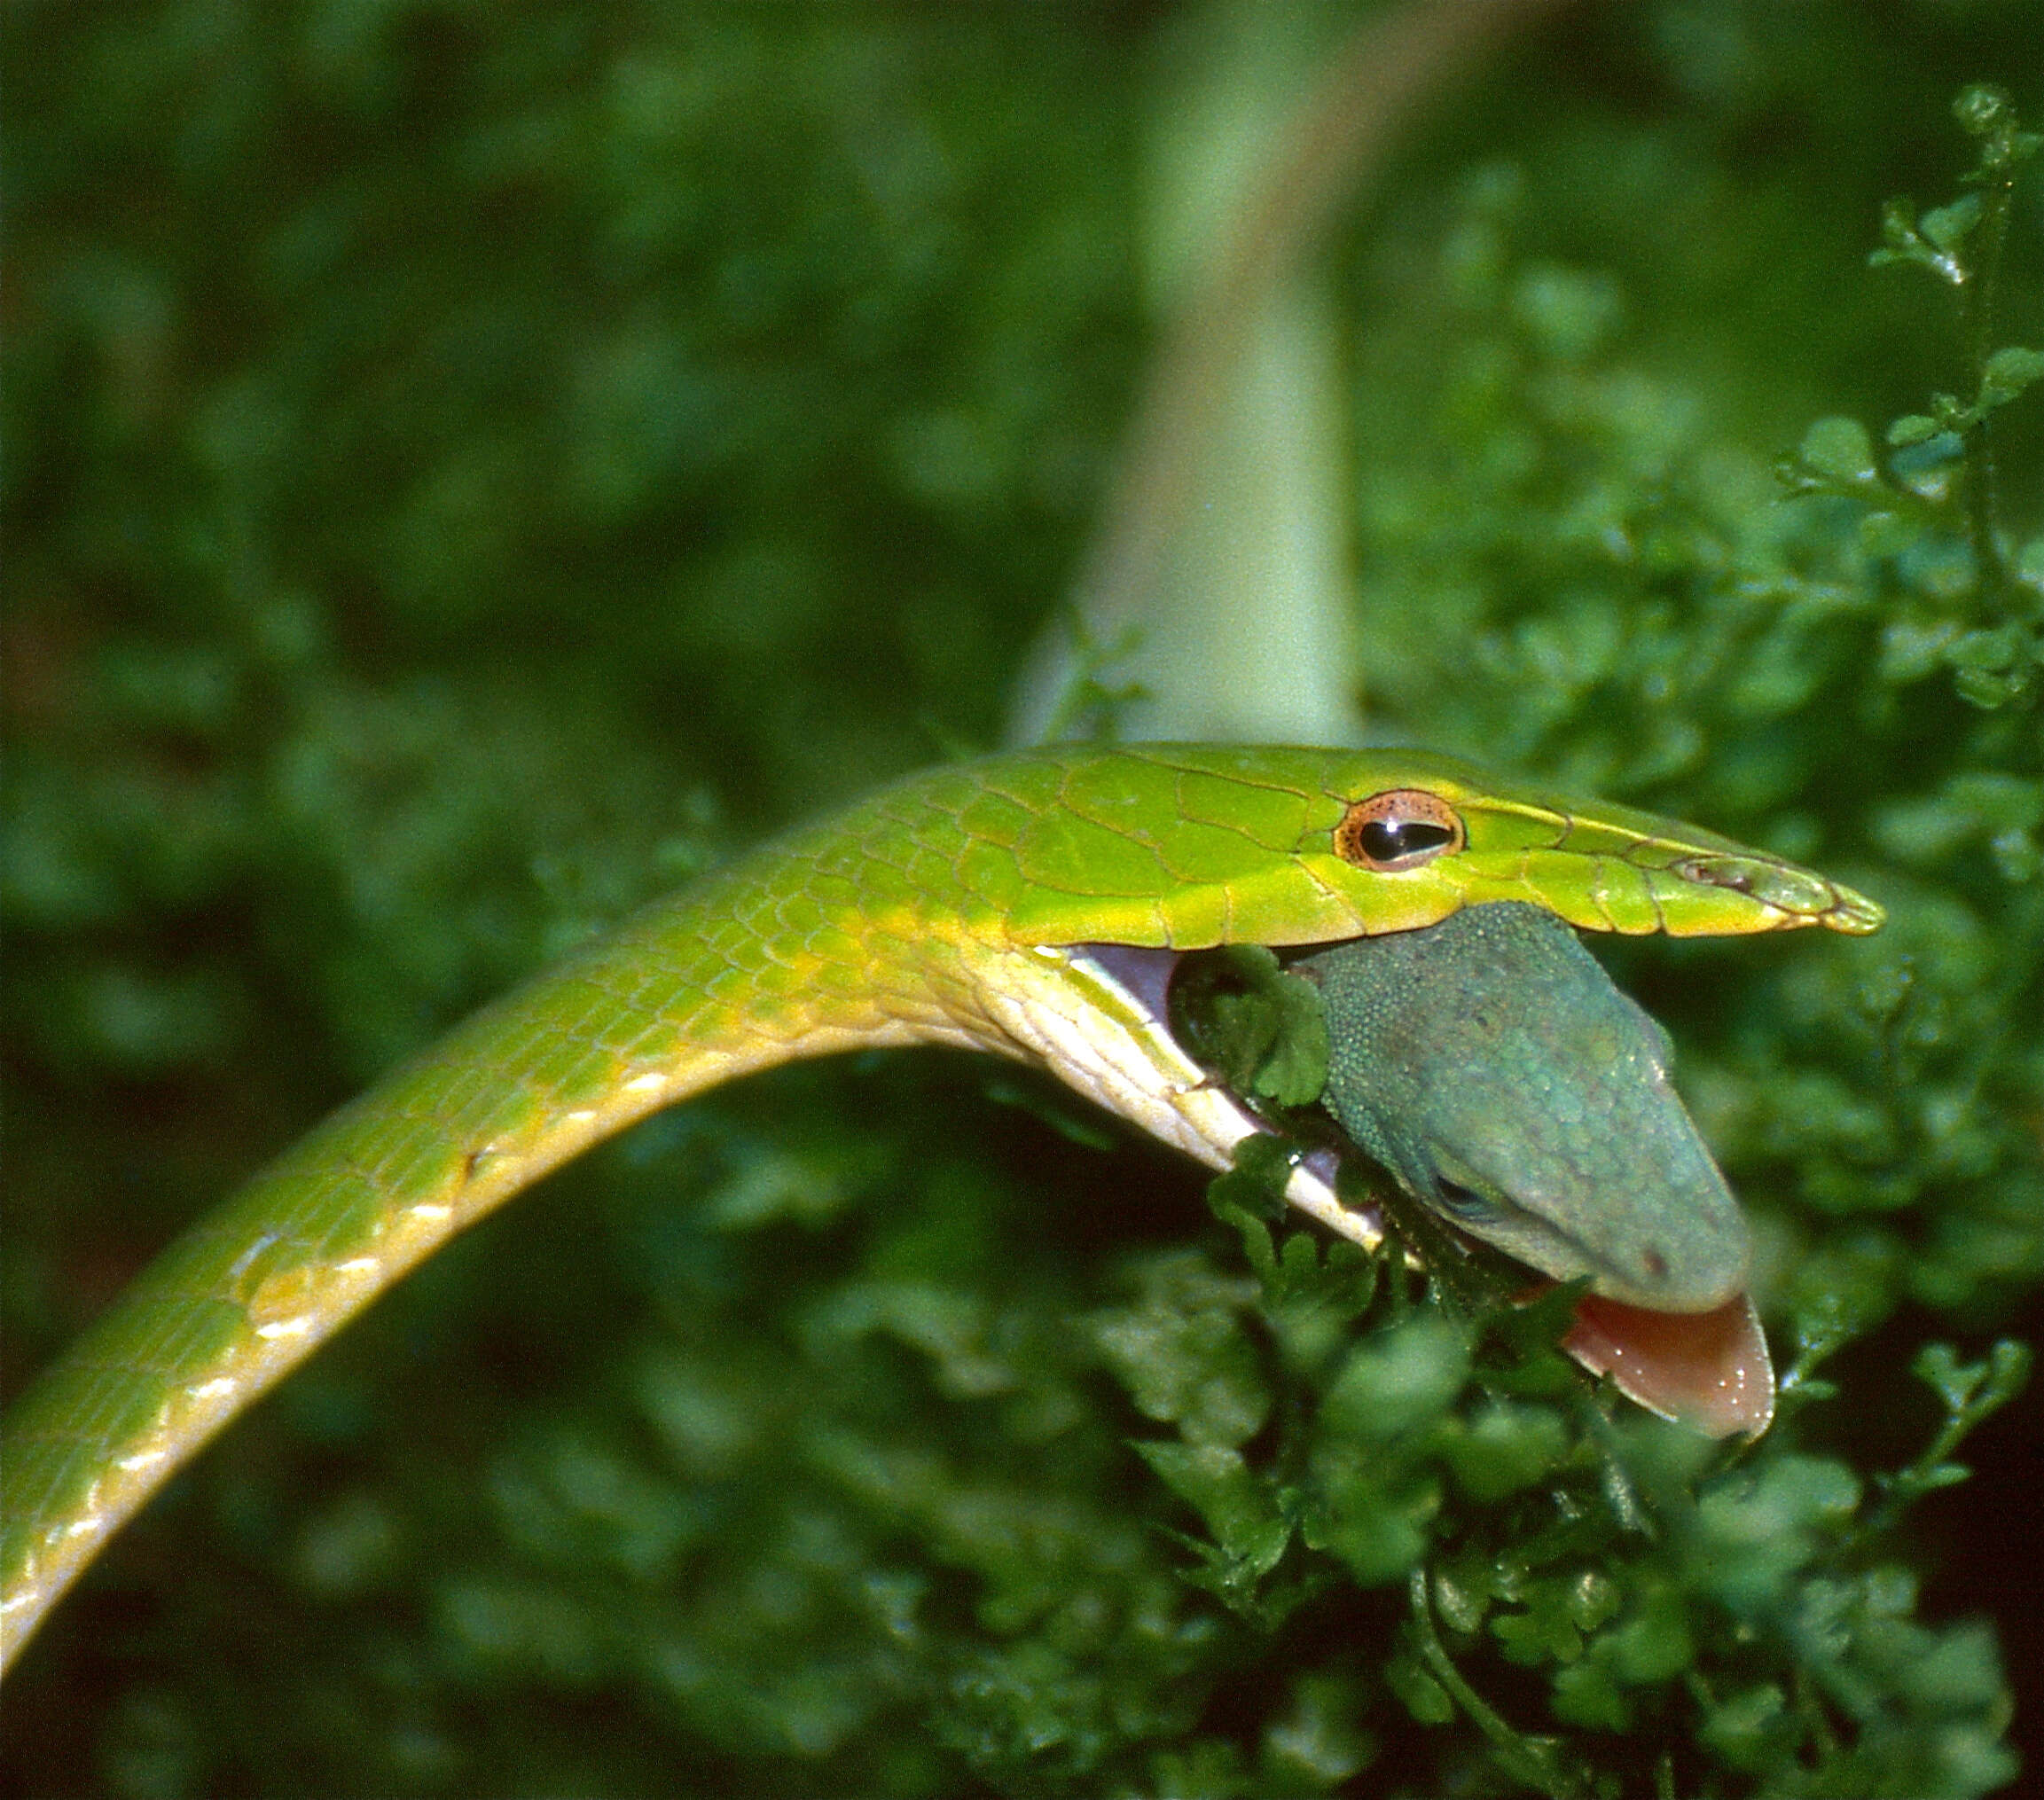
(1398, 830)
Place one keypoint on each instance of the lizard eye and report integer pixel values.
(1465, 1205)
(1398, 830)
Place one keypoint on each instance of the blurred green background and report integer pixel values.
(471, 465)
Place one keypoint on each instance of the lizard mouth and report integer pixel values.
(1707, 1370)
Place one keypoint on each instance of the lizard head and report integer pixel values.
(1491, 1065)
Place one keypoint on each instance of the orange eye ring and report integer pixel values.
(1400, 829)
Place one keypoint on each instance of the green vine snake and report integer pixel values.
(1028, 905)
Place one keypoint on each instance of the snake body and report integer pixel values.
(1025, 906)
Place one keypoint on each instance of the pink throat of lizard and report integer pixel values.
(1710, 1371)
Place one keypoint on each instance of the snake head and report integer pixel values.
(1445, 838)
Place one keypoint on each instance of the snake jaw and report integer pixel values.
(1095, 1015)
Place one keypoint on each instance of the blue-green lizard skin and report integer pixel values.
(1489, 1064)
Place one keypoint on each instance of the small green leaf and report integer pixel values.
(1185, 1360)
(1259, 1027)
(1424, 1697)
(1656, 1644)
(1592, 1598)
(2030, 566)
(2017, 856)
(1399, 1379)
(1311, 1302)
(1952, 413)
(1991, 651)
(1982, 108)
(1585, 1695)
(1255, 1185)
(1545, 1629)
(1888, 533)
(1755, 1531)
(1316, 1744)
(1378, 1528)
(1237, 1507)
(1899, 241)
(1946, 226)
(1911, 650)
(2007, 373)
(1508, 1448)
(1913, 427)
(2007, 1374)
(1462, 1598)
(1569, 313)
(1988, 692)
(1902, 242)
(1295, 1070)
(1750, 1729)
(1991, 668)
(1839, 448)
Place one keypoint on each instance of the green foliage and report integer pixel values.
(1769, 669)
(1994, 645)
(1671, 1596)
(1261, 1029)
(470, 468)
(1774, 670)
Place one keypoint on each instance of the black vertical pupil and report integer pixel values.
(1386, 840)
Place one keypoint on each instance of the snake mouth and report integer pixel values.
(1126, 1057)
(1143, 975)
